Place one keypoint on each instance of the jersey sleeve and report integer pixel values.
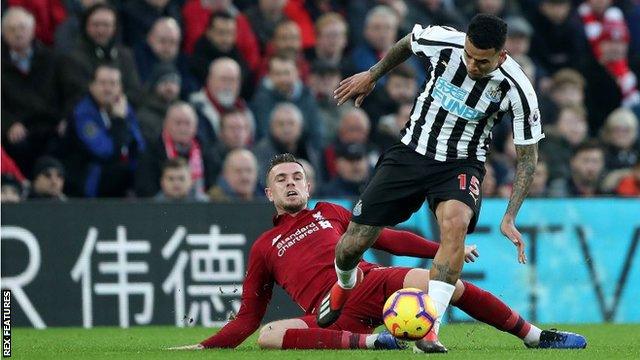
(426, 42)
(256, 293)
(523, 106)
(405, 243)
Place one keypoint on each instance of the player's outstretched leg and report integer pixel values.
(294, 334)
(486, 307)
(354, 242)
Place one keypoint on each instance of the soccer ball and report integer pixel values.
(409, 314)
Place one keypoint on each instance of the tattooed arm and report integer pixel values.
(527, 158)
(361, 84)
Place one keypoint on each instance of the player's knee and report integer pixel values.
(454, 223)
(270, 337)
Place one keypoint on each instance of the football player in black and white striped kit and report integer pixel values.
(471, 84)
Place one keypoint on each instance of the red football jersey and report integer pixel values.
(298, 254)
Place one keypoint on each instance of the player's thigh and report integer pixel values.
(462, 182)
(272, 334)
(396, 190)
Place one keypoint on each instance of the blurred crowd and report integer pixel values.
(189, 99)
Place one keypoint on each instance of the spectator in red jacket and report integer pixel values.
(196, 13)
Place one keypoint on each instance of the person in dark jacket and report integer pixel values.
(283, 84)
(104, 138)
(97, 44)
(163, 47)
(29, 108)
(163, 90)
(48, 180)
(178, 139)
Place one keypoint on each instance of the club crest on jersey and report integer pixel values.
(534, 117)
(494, 95)
(357, 210)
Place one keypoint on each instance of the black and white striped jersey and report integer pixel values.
(453, 116)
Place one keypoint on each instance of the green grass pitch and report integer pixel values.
(465, 341)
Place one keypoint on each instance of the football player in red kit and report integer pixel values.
(297, 254)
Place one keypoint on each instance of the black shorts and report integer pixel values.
(404, 179)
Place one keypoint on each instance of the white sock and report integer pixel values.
(370, 340)
(441, 293)
(533, 336)
(346, 278)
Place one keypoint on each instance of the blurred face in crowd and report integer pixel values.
(164, 39)
(241, 173)
(493, 7)
(168, 90)
(106, 88)
(224, 81)
(557, 13)
(331, 40)
(354, 127)
(599, 6)
(587, 166)
(288, 188)
(323, 85)
(401, 89)
(380, 31)
(286, 126)
(517, 45)
(234, 130)
(568, 94)
(621, 130)
(222, 34)
(176, 182)
(50, 182)
(356, 170)
(271, 7)
(287, 40)
(9, 194)
(18, 29)
(101, 26)
(540, 178)
(572, 126)
(481, 62)
(181, 124)
(284, 75)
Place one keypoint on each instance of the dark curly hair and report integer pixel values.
(487, 32)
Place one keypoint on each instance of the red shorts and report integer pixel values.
(363, 311)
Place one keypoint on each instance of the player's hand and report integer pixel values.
(471, 253)
(187, 347)
(17, 132)
(508, 229)
(358, 86)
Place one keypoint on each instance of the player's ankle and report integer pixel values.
(347, 279)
